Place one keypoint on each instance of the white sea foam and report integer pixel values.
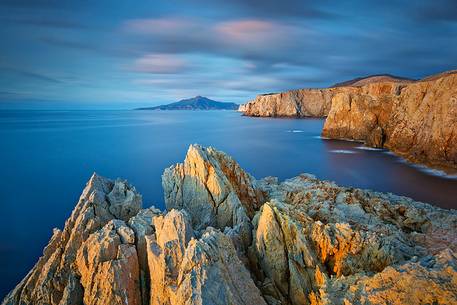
(368, 148)
(430, 171)
(321, 138)
(295, 130)
(343, 151)
(424, 168)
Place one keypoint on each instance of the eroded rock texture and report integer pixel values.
(295, 103)
(416, 120)
(308, 102)
(313, 240)
(215, 191)
(230, 239)
(91, 245)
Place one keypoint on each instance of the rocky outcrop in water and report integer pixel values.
(230, 239)
(417, 121)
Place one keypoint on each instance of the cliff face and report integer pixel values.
(417, 120)
(230, 239)
(295, 103)
(308, 102)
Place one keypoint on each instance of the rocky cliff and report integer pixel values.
(416, 120)
(227, 238)
(307, 102)
(295, 103)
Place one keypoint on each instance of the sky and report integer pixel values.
(124, 54)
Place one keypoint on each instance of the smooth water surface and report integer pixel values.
(46, 157)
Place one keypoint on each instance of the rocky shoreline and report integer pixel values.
(414, 119)
(227, 238)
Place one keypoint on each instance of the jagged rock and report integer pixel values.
(417, 120)
(124, 203)
(215, 191)
(108, 265)
(431, 280)
(185, 270)
(302, 241)
(142, 225)
(313, 232)
(56, 278)
(165, 251)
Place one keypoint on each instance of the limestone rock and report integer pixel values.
(301, 241)
(431, 280)
(294, 103)
(108, 264)
(185, 270)
(213, 274)
(313, 235)
(142, 225)
(56, 279)
(214, 190)
(417, 120)
(308, 102)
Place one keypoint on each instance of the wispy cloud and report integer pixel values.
(240, 38)
(227, 48)
(160, 64)
(31, 74)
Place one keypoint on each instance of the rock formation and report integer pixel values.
(230, 239)
(414, 119)
(295, 103)
(417, 121)
(307, 102)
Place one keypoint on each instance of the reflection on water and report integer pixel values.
(47, 156)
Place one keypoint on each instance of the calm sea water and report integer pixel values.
(46, 157)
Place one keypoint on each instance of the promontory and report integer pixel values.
(195, 103)
(228, 238)
(415, 119)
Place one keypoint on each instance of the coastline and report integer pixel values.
(224, 230)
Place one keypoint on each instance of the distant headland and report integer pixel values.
(195, 103)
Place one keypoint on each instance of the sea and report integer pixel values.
(46, 158)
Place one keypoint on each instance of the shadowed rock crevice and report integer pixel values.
(230, 239)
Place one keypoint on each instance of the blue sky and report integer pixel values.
(123, 54)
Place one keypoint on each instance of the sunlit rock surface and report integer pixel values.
(307, 102)
(416, 120)
(294, 103)
(230, 239)
(215, 191)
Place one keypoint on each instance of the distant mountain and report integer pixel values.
(361, 81)
(195, 103)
